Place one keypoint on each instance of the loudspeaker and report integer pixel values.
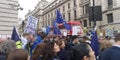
(97, 13)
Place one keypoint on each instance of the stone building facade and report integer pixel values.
(8, 16)
(111, 14)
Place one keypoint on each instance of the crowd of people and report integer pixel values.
(56, 47)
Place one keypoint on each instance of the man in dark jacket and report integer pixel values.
(112, 53)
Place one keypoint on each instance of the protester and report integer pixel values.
(72, 43)
(44, 37)
(112, 53)
(105, 45)
(86, 39)
(112, 40)
(63, 54)
(5, 47)
(57, 37)
(24, 39)
(32, 43)
(100, 39)
(50, 51)
(83, 51)
(38, 52)
(18, 54)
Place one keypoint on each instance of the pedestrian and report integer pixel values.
(83, 51)
(5, 47)
(112, 53)
(63, 54)
(50, 51)
(38, 52)
(18, 54)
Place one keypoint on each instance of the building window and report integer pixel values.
(86, 8)
(55, 13)
(64, 16)
(63, 8)
(48, 16)
(59, 9)
(51, 15)
(85, 23)
(68, 5)
(48, 19)
(89, 23)
(83, 10)
(75, 15)
(69, 16)
(75, 3)
(110, 2)
(48, 22)
(81, 22)
(110, 18)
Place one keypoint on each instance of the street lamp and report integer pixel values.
(19, 8)
(16, 6)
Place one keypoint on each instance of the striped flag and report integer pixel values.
(95, 43)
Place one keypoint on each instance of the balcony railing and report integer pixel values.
(110, 7)
(84, 15)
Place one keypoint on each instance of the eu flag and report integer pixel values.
(66, 25)
(95, 43)
(47, 29)
(15, 35)
(59, 18)
(56, 29)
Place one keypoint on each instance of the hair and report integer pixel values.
(85, 38)
(25, 34)
(18, 54)
(59, 42)
(43, 35)
(48, 51)
(7, 46)
(74, 37)
(105, 44)
(80, 50)
(38, 52)
(117, 37)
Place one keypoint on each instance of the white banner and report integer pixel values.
(76, 30)
(31, 25)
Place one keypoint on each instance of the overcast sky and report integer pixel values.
(27, 5)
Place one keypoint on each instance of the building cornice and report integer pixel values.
(9, 13)
(9, 17)
(84, 3)
(8, 8)
(9, 21)
(7, 25)
(55, 6)
(12, 1)
(110, 24)
(50, 4)
(112, 9)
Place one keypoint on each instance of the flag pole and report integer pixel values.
(93, 9)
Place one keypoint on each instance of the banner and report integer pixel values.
(31, 25)
(76, 30)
